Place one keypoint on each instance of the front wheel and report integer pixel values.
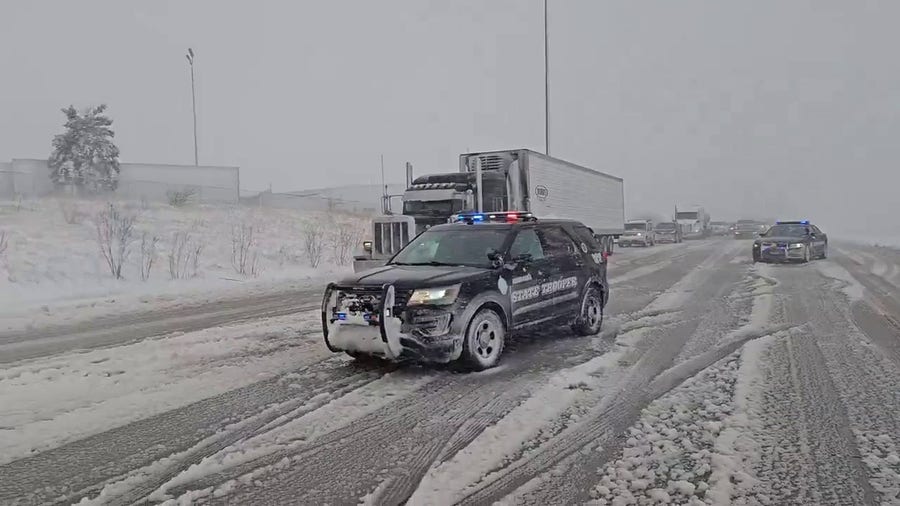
(590, 320)
(484, 340)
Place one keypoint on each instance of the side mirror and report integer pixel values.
(495, 257)
(763, 234)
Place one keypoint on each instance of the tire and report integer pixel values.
(591, 317)
(824, 254)
(484, 340)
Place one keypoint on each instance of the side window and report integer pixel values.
(556, 242)
(584, 235)
(527, 241)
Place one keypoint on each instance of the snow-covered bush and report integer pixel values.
(148, 254)
(115, 233)
(314, 242)
(72, 212)
(244, 255)
(184, 255)
(346, 236)
(181, 198)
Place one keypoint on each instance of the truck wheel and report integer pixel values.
(484, 340)
(590, 320)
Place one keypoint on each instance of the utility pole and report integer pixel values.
(190, 59)
(546, 85)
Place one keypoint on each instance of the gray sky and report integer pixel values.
(791, 107)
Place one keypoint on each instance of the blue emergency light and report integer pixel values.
(499, 217)
(801, 222)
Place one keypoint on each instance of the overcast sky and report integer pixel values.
(786, 107)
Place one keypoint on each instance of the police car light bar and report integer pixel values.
(501, 217)
(801, 222)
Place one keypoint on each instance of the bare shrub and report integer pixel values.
(346, 236)
(115, 233)
(184, 255)
(181, 198)
(148, 254)
(313, 242)
(72, 212)
(244, 255)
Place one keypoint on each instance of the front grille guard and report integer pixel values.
(386, 309)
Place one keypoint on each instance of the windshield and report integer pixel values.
(788, 231)
(459, 246)
(635, 226)
(665, 226)
(692, 215)
(431, 207)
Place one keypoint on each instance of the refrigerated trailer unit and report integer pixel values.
(509, 180)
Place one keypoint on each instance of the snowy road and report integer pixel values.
(714, 381)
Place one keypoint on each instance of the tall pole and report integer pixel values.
(546, 85)
(190, 59)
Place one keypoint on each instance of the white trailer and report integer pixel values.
(508, 180)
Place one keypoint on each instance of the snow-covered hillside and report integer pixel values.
(52, 257)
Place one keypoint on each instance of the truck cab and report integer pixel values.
(638, 233)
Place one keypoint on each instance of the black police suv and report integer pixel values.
(790, 241)
(458, 291)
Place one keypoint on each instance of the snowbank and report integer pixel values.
(52, 268)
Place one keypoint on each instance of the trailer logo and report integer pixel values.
(541, 192)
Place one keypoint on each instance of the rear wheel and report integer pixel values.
(590, 320)
(484, 340)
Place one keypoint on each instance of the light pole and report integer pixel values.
(546, 85)
(190, 59)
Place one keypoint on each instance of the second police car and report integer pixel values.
(458, 291)
(790, 241)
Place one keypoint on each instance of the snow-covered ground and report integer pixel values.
(52, 271)
(715, 381)
(50, 402)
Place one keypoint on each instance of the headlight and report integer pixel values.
(434, 296)
(796, 245)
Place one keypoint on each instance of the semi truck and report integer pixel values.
(693, 222)
(500, 181)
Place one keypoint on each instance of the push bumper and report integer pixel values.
(391, 331)
(777, 254)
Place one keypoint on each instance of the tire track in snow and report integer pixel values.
(140, 444)
(705, 282)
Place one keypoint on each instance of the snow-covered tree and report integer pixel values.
(84, 156)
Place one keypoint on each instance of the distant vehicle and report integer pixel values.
(667, 231)
(638, 232)
(746, 229)
(693, 221)
(459, 291)
(498, 181)
(720, 228)
(791, 241)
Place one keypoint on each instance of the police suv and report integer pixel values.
(458, 291)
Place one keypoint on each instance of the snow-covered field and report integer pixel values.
(715, 381)
(52, 269)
